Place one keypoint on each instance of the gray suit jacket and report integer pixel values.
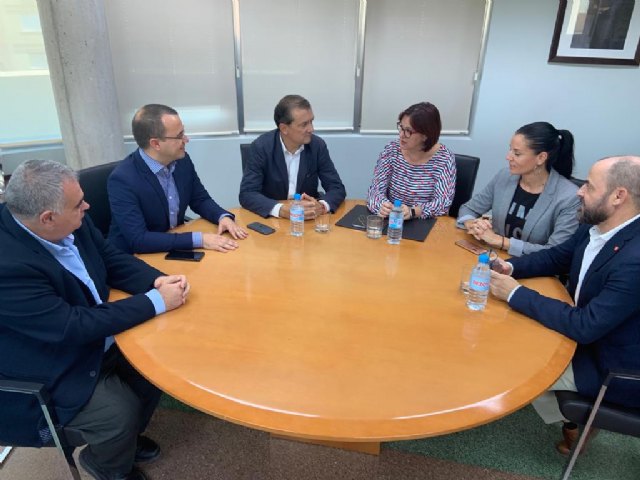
(551, 221)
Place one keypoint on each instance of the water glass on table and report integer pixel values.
(374, 226)
(465, 275)
(323, 222)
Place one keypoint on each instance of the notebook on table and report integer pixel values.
(415, 229)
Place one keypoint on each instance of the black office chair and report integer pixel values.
(598, 414)
(466, 172)
(53, 435)
(245, 154)
(579, 182)
(93, 181)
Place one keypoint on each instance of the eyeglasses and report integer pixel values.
(181, 136)
(407, 132)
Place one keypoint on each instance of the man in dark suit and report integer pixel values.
(57, 325)
(289, 160)
(603, 262)
(151, 189)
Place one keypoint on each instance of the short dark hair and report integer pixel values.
(425, 119)
(282, 112)
(544, 137)
(147, 123)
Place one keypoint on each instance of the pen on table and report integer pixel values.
(357, 225)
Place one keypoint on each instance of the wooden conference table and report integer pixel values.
(342, 339)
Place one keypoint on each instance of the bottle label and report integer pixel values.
(395, 221)
(297, 215)
(479, 283)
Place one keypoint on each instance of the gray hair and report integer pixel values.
(625, 173)
(36, 186)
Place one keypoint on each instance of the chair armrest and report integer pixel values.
(31, 388)
(622, 375)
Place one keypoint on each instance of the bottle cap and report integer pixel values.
(397, 203)
(296, 196)
(483, 258)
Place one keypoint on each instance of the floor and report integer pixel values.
(197, 446)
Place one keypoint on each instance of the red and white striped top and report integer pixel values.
(431, 185)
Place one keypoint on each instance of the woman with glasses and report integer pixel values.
(533, 203)
(415, 168)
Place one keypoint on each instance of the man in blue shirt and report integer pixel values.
(57, 325)
(150, 190)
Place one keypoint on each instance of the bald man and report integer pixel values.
(602, 260)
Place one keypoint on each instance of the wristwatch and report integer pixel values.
(413, 212)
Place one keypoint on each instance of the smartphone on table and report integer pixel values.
(261, 228)
(185, 255)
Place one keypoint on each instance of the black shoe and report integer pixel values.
(146, 450)
(89, 464)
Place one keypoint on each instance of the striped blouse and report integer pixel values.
(430, 186)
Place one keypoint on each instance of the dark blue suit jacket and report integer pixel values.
(265, 181)
(51, 330)
(139, 208)
(606, 321)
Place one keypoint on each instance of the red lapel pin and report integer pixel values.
(616, 248)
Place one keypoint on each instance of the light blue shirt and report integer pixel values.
(67, 254)
(164, 174)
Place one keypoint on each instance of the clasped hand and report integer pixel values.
(482, 230)
(312, 207)
(173, 289)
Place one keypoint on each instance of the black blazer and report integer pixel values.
(265, 181)
(51, 330)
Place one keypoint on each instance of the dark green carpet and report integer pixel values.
(520, 443)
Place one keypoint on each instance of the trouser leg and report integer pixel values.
(546, 405)
(114, 416)
(147, 393)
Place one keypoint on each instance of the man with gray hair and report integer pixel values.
(57, 325)
(602, 260)
(290, 160)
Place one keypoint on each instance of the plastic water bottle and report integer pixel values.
(396, 217)
(296, 215)
(479, 284)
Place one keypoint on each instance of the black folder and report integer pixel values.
(415, 229)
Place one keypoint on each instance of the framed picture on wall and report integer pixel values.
(603, 32)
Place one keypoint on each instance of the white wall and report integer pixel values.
(599, 104)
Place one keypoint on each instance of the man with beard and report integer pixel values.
(602, 260)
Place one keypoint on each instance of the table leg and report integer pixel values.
(372, 448)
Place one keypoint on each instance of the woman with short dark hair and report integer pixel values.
(415, 169)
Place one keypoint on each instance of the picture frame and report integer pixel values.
(605, 32)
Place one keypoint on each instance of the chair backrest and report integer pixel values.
(577, 181)
(93, 181)
(466, 172)
(245, 154)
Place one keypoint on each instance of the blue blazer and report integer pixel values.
(139, 208)
(606, 321)
(51, 330)
(265, 181)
